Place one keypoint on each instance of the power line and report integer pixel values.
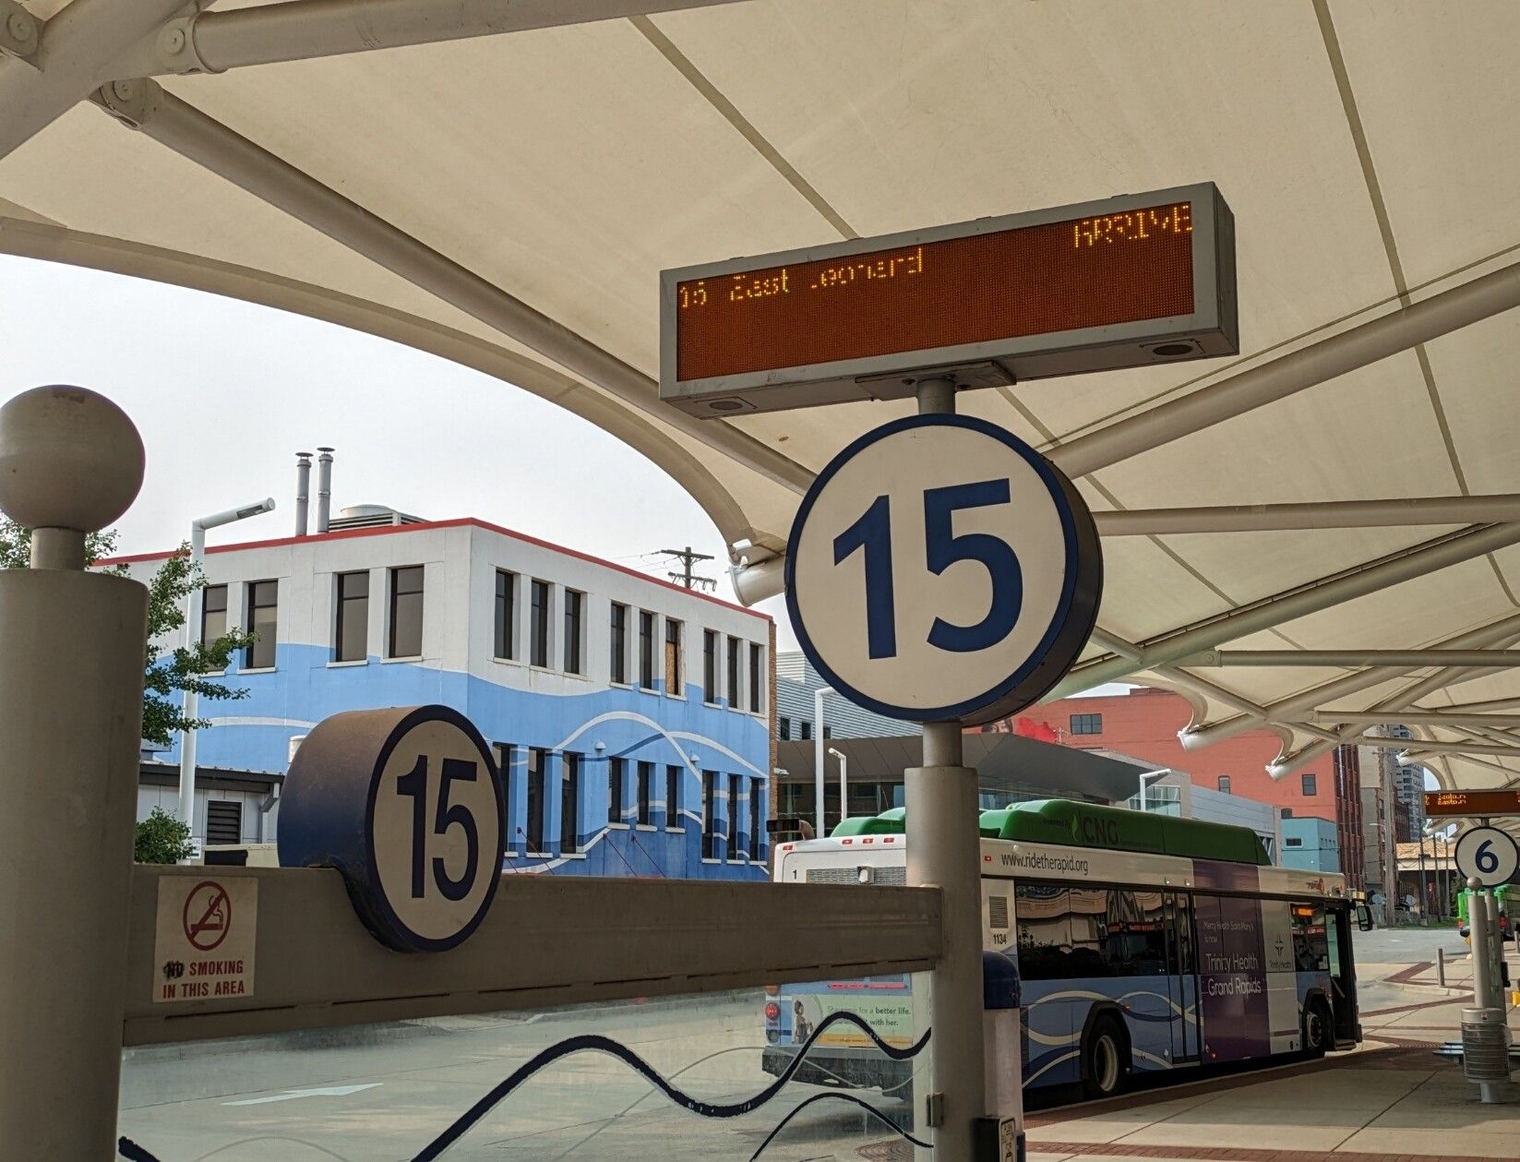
(689, 557)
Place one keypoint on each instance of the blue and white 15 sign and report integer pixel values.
(407, 803)
(941, 569)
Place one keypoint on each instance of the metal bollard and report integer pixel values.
(1485, 1055)
(999, 1133)
(1441, 967)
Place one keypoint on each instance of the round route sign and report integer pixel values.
(408, 805)
(1487, 855)
(941, 569)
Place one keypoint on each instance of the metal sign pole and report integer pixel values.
(71, 686)
(944, 847)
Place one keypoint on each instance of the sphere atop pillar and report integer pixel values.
(69, 459)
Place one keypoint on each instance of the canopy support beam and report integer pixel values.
(1411, 718)
(1401, 660)
(72, 58)
(144, 105)
(213, 42)
(1283, 607)
(1342, 514)
(1287, 764)
(1389, 334)
(1498, 633)
(1416, 749)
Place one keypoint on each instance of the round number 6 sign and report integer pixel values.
(941, 569)
(407, 804)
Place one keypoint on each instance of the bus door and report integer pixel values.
(1182, 978)
(1348, 1029)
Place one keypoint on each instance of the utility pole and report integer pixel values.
(689, 557)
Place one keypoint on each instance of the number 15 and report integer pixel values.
(942, 548)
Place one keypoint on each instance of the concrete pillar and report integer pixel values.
(71, 685)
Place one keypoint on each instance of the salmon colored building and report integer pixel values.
(1144, 724)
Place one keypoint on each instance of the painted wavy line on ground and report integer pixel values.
(595, 1043)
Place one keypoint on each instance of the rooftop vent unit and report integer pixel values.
(371, 516)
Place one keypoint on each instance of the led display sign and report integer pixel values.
(1128, 281)
(1472, 804)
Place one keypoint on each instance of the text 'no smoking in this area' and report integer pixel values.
(205, 938)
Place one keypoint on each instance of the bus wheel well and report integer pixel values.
(1318, 1024)
(1098, 1081)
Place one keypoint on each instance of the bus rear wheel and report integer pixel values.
(1105, 1059)
(1316, 1029)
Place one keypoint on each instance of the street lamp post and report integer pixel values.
(844, 787)
(818, 696)
(192, 630)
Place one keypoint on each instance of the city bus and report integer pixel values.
(1143, 942)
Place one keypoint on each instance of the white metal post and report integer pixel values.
(190, 704)
(944, 850)
(818, 814)
(71, 686)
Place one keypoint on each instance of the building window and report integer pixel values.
(807, 730)
(616, 768)
(569, 803)
(1224, 783)
(213, 613)
(224, 821)
(673, 660)
(673, 796)
(263, 621)
(508, 785)
(506, 615)
(646, 650)
(1087, 724)
(618, 627)
(646, 777)
(352, 636)
(709, 813)
(538, 641)
(406, 612)
(733, 817)
(1287, 812)
(1308, 784)
(755, 654)
(538, 761)
(734, 646)
(784, 728)
(1293, 842)
(574, 602)
(754, 819)
(709, 666)
(828, 731)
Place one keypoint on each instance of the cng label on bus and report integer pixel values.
(408, 805)
(941, 569)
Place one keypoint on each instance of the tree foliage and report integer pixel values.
(161, 838)
(166, 673)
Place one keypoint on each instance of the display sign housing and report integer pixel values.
(1127, 281)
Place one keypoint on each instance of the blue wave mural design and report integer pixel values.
(591, 1042)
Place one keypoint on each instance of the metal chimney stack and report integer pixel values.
(303, 490)
(324, 488)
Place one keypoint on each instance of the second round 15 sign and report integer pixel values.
(941, 569)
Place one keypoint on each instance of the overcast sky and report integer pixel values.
(225, 393)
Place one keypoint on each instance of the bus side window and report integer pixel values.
(1311, 950)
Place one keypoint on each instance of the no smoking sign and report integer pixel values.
(205, 937)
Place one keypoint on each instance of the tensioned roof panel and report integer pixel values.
(1366, 147)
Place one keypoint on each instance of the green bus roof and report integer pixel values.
(1072, 824)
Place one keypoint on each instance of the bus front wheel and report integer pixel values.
(1105, 1059)
(1316, 1028)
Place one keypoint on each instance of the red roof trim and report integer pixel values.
(460, 522)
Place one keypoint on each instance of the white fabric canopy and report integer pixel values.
(1368, 149)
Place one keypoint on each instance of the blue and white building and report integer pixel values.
(631, 717)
